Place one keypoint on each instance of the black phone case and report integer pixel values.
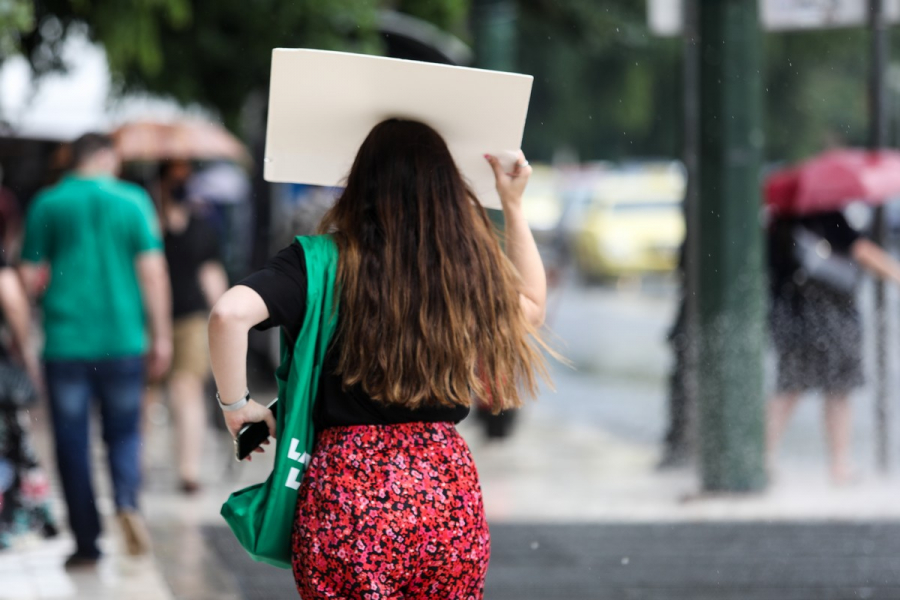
(251, 436)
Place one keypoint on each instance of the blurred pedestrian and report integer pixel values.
(24, 486)
(10, 221)
(198, 279)
(391, 505)
(677, 443)
(814, 262)
(99, 238)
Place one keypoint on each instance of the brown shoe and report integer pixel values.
(189, 487)
(134, 531)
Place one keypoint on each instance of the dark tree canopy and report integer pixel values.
(214, 52)
(605, 86)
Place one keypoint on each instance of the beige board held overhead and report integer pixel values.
(323, 104)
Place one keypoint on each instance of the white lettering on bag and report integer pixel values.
(293, 480)
(297, 456)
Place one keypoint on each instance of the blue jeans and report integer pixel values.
(118, 386)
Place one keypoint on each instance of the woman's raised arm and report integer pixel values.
(520, 245)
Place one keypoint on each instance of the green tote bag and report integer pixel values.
(262, 515)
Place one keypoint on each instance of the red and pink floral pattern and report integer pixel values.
(391, 511)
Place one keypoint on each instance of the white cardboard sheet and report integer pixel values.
(323, 104)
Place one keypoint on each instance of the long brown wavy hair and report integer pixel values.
(429, 303)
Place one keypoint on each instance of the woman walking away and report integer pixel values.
(431, 315)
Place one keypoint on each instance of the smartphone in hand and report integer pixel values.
(252, 435)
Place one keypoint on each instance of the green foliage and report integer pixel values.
(132, 31)
(608, 89)
(594, 27)
(216, 53)
(604, 87)
(815, 91)
(16, 18)
(449, 15)
(225, 55)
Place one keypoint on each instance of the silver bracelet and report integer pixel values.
(245, 399)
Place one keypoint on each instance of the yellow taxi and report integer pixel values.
(630, 222)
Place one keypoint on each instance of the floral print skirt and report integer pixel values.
(391, 511)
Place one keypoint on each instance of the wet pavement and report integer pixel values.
(694, 561)
(658, 561)
(576, 506)
(567, 504)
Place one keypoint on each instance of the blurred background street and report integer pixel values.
(684, 153)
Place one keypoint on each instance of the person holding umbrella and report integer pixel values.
(815, 258)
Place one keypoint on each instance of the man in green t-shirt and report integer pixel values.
(95, 241)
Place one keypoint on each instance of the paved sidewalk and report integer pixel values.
(570, 496)
(33, 568)
(551, 474)
(656, 561)
(561, 471)
(36, 571)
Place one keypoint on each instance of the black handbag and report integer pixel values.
(16, 388)
(836, 271)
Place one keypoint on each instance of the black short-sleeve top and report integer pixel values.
(282, 286)
(186, 252)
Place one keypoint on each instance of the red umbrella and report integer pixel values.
(834, 179)
(199, 140)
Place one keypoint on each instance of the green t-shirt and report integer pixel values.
(90, 231)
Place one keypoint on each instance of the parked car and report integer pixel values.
(630, 222)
